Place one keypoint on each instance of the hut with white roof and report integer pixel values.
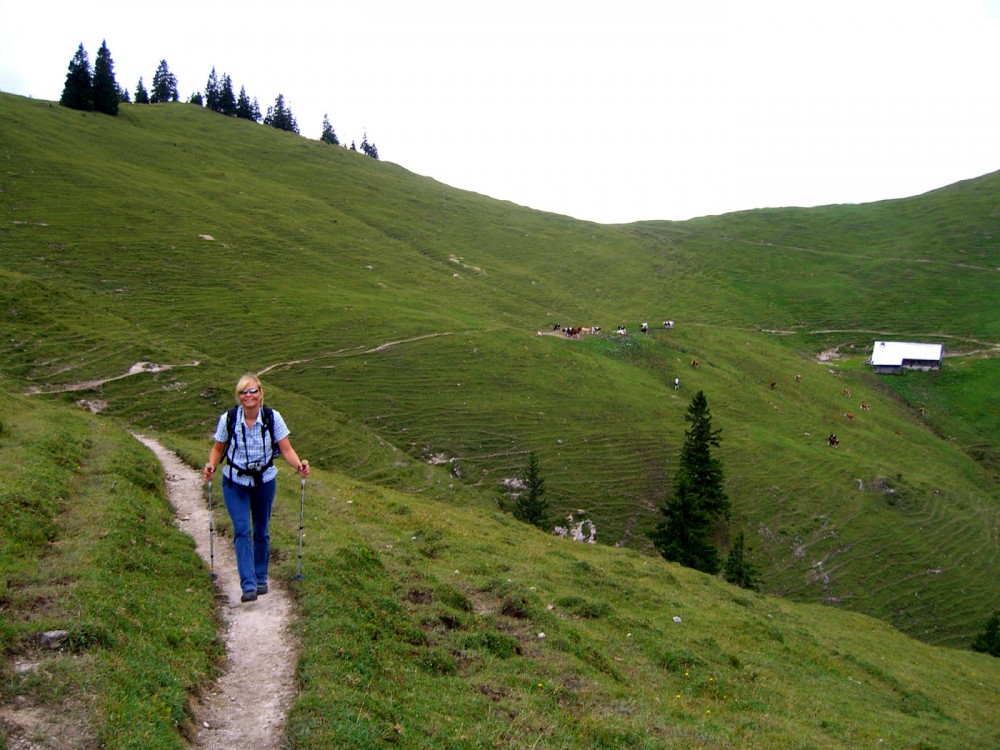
(893, 357)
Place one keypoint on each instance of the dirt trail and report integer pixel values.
(246, 707)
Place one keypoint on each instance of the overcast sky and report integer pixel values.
(610, 111)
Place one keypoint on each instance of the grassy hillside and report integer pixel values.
(88, 546)
(396, 321)
(428, 624)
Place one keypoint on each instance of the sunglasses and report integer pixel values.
(250, 391)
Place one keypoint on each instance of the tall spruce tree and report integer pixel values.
(105, 87)
(227, 99)
(141, 95)
(279, 116)
(739, 571)
(529, 505)
(245, 109)
(212, 92)
(698, 500)
(328, 136)
(164, 85)
(78, 92)
(369, 148)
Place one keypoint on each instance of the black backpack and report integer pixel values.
(267, 420)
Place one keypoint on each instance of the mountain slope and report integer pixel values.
(396, 321)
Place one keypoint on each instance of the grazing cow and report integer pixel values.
(644, 328)
(677, 384)
(596, 329)
(774, 384)
(847, 392)
(849, 415)
(921, 410)
(865, 406)
(695, 363)
(798, 378)
(621, 331)
(833, 441)
(556, 326)
(668, 324)
(572, 332)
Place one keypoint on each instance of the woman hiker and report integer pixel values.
(246, 437)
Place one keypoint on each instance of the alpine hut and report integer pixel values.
(892, 357)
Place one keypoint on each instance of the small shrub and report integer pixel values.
(988, 642)
(498, 644)
(518, 606)
(451, 597)
(437, 661)
(88, 635)
(676, 661)
(581, 607)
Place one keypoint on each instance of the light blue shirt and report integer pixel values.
(251, 445)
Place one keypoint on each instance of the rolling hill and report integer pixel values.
(147, 260)
(397, 320)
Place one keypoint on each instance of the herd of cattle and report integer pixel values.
(574, 332)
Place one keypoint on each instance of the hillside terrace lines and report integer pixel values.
(388, 344)
(150, 367)
(352, 350)
(853, 256)
(990, 345)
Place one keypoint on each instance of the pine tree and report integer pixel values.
(164, 85)
(529, 505)
(279, 116)
(988, 642)
(212, 92)
(227, 99)
(698, 499)
(684, 536)
(328, 136)
(368, 148)
(105, 87)
(141, 95)
(700, 470)
(738, 570)
(78, 92)
(245, 110)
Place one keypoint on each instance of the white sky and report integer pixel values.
(611, 112)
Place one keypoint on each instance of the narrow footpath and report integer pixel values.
(246, 707)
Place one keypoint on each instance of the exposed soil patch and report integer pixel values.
(246, 706)
(86, 385)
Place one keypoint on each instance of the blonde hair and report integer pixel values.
(245, 382)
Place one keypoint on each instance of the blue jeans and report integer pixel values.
(250, 511)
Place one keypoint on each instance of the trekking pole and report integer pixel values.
(211, 532)
(302, 510)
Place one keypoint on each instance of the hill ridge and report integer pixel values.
(318, 251)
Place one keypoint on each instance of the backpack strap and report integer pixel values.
(267, 423)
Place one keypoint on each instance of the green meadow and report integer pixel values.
(148, 260)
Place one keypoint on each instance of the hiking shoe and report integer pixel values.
(249, 596)
(261, 588)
